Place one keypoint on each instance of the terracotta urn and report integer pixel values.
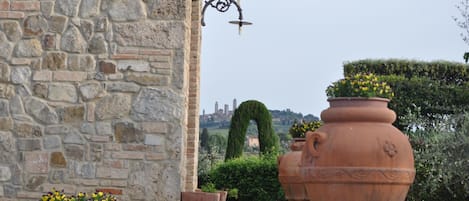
(289, 172)
(357, 155)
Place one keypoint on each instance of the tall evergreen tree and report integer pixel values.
(204, 139)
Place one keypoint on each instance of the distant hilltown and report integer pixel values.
(221, 117)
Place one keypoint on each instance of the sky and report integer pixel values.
(295, 49)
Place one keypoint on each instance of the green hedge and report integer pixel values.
(433, 98)
(444, 71)
(436, 88)
(251, 110)
(256, 178)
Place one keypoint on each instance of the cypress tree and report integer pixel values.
(204, 139)
(256, 111)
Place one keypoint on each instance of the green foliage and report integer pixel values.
(251, 110)
(441, 153)
(443, 71)
(217, 143)
(360, 85)
(204, 139)
(437, 88)
(233, 193)
(256, 178)
(298, 130)
(208, 187)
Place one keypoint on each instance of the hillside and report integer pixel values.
(281, 119)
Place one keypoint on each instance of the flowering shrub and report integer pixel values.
(298, 130)
(360, 85)
(55, 195)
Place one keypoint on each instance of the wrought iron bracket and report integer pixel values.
(223, 6)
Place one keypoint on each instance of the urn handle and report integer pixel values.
(313, 140)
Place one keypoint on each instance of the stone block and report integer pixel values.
(40, 90)
(34, 182)
(11, 15)
(104, 128)
(75, 152)
(147, 79)
(155, 156)
(57, 160)
(107, 67)
(25, 5)
(20, 62)
(5, 46)
(113, 106)
(16, 106)
(87, 171)
(21, 75)
(167, 9)
(35, 25)
(28, 144)
(5, 173)
(101, 24)
(112, 173)
(4, 108)
(28, 48)
(4, 72)
(91, 90)
(72, 41)
(36, 162)
(62, 92)
(122, 87)
(52, 142)
(57, 24)
(126, 132)
(153, 104)
(124, 10)
(56, 176)
(128, 155)
(133, 65)
(160, 34)
(67, 7)
(81, 63)
(154, 139)
(89, 8)
(45, 76)
(68, 76)
(27, 130)
(55, 60)
(96, 150)
(134, 147)
(40, 110)
(87, 29)
(74, 113)
(58, 130)
(98, 45)
(12, 30)
(50, 41)
(6, 124)
(4, 4)
(155, 127)
(47, 8)
(73, 138)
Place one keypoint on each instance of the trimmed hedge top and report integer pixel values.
(445, 71)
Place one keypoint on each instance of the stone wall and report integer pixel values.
(99, 94)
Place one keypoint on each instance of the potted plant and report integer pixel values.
(208, 192)
(357, 154)
(288, 164)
